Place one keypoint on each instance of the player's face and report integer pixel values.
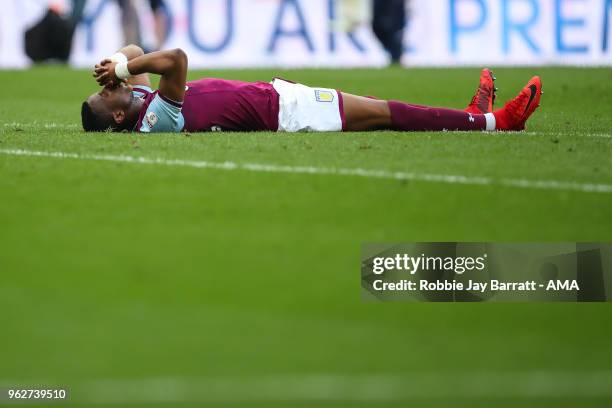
(111, 99)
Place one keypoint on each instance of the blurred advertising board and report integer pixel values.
(336, 33)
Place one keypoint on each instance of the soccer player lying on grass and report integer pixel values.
(127, 103)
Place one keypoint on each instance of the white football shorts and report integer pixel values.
(306, 109)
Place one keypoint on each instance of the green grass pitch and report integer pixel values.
(140, 285)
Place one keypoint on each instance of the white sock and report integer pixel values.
(490, 118)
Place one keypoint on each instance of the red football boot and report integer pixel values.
(483, 100)
(516, 112)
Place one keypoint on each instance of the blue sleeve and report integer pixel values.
(141, 91)
(163, 115)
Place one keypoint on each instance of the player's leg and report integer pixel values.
(376, 114)
(160, 19)
(388, 22)
(363, 114)
(483, 99)
(371, 113)
(130, 22)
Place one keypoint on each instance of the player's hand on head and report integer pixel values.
(104, 73)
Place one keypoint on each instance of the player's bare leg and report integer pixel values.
(362, 113)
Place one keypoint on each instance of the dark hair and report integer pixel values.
(93, 122)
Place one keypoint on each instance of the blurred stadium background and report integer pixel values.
(143, 285)
(316, 33)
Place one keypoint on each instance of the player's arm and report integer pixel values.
(171, 65)
(130, 52)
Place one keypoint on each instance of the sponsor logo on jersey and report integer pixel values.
(324, 96)
(151, 119)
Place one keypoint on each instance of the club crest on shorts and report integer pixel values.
(151, 119)
(324, 96)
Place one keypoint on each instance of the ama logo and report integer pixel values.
(562, 285)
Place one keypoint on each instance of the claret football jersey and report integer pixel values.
(211, 105)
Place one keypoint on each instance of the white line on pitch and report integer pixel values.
(338, 171)
(562, 134)
(339, 387)
(36, 125)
